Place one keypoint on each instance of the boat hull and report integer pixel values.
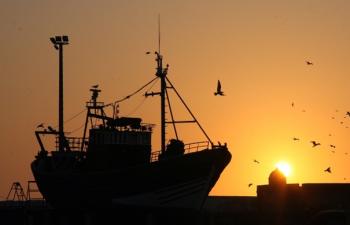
(179, 182)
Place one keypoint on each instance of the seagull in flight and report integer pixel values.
(256, 161)
(292, 104)
(250, 184)
(309, 63)
(332, 146)
(314, 143)
(328, 170)
(95, 86)
(218, 89)
(296, 139)
(348, 113)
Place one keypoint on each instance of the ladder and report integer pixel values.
(16, 193)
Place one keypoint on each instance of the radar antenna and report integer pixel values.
(159, 33)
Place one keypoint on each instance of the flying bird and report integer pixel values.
(309, 63)
(256, 161)
(314, 143)
(348, 113)
(250, 184)
(292, 104)
(40, 126)
(95, 86)
(296, 139)
(218, 89)
(328, 170)
(332, 146)
(147, 53)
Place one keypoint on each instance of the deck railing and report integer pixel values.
(189, 148)
(73, 142)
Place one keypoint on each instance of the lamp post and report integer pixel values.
(58, 42)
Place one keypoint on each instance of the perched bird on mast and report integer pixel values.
(40, 126)
(218, 89)
(51, 129)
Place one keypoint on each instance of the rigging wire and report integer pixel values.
(143, 100)
(72, 117)
(132, 94)
(188, 110)
(113, 103)
(76, 129)
(75, 116)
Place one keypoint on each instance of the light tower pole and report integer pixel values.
(58, 42)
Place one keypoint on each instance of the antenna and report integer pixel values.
(159, 33)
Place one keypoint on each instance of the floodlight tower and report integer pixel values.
(58, 42)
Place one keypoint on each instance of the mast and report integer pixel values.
(161, 73)
(58, 42)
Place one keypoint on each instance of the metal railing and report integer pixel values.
(199, 145)
(74, 143)
(189, 148)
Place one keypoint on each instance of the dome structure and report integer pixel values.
(277, 178)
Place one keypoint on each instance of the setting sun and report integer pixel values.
(284, 167)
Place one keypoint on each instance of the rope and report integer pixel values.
(132, 94)
(113, 103)
(72, 117)
(143, 100)
(75, 116)
(76, 129)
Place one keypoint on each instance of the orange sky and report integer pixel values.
(256, 48)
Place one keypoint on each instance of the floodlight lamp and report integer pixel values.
(58, 39)
(65, 38)
(53, 40)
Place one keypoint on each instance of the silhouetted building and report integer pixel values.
(293, 202)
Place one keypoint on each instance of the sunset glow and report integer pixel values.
(284, 167)
(275, 103)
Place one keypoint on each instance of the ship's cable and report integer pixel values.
(143, 101)
(72, 117)
(189, 111)
(75, 116)
(76, 129)
(132, 94)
